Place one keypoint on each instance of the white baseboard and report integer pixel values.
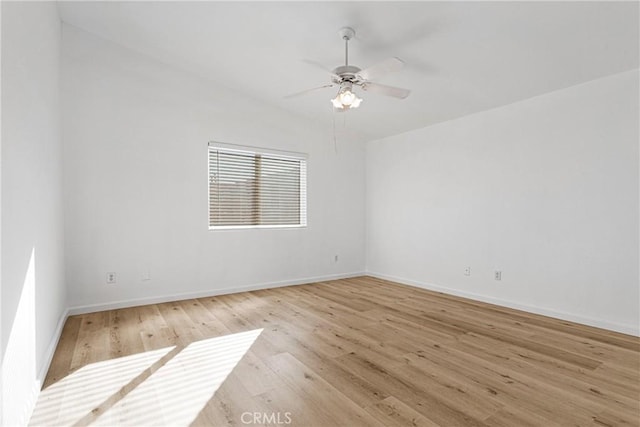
(51, 349)
(91, 308)
(598, 323)
(31, 401)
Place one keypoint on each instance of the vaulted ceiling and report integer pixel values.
(461, 57)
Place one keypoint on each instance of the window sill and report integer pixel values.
(250, 227)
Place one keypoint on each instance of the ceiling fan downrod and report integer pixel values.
(347, 34)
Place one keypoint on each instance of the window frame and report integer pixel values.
(280, 154)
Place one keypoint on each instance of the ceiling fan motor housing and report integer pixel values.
(346, 73)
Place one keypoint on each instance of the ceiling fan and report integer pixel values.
(346, 77)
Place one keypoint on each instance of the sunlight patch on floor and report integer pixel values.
(73, 397)
(177, 392)
(162, 387)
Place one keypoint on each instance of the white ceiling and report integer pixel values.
(462, 57)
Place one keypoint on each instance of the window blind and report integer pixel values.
(251, 189)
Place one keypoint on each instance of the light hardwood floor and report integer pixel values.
(353, 352)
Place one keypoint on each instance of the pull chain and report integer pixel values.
(335, 141)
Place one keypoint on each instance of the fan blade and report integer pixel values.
(380, 69)
(396, 92)
(304, 92)
(322, 67)
(316, 64)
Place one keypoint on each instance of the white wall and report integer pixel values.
(545, 190)
(135, 150)
(33, 290)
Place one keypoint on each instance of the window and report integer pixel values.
(250, 189)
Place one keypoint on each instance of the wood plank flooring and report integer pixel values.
(352, 352)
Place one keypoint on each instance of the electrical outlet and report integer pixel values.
(111, 278)
(467, 271)
(497, 275)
